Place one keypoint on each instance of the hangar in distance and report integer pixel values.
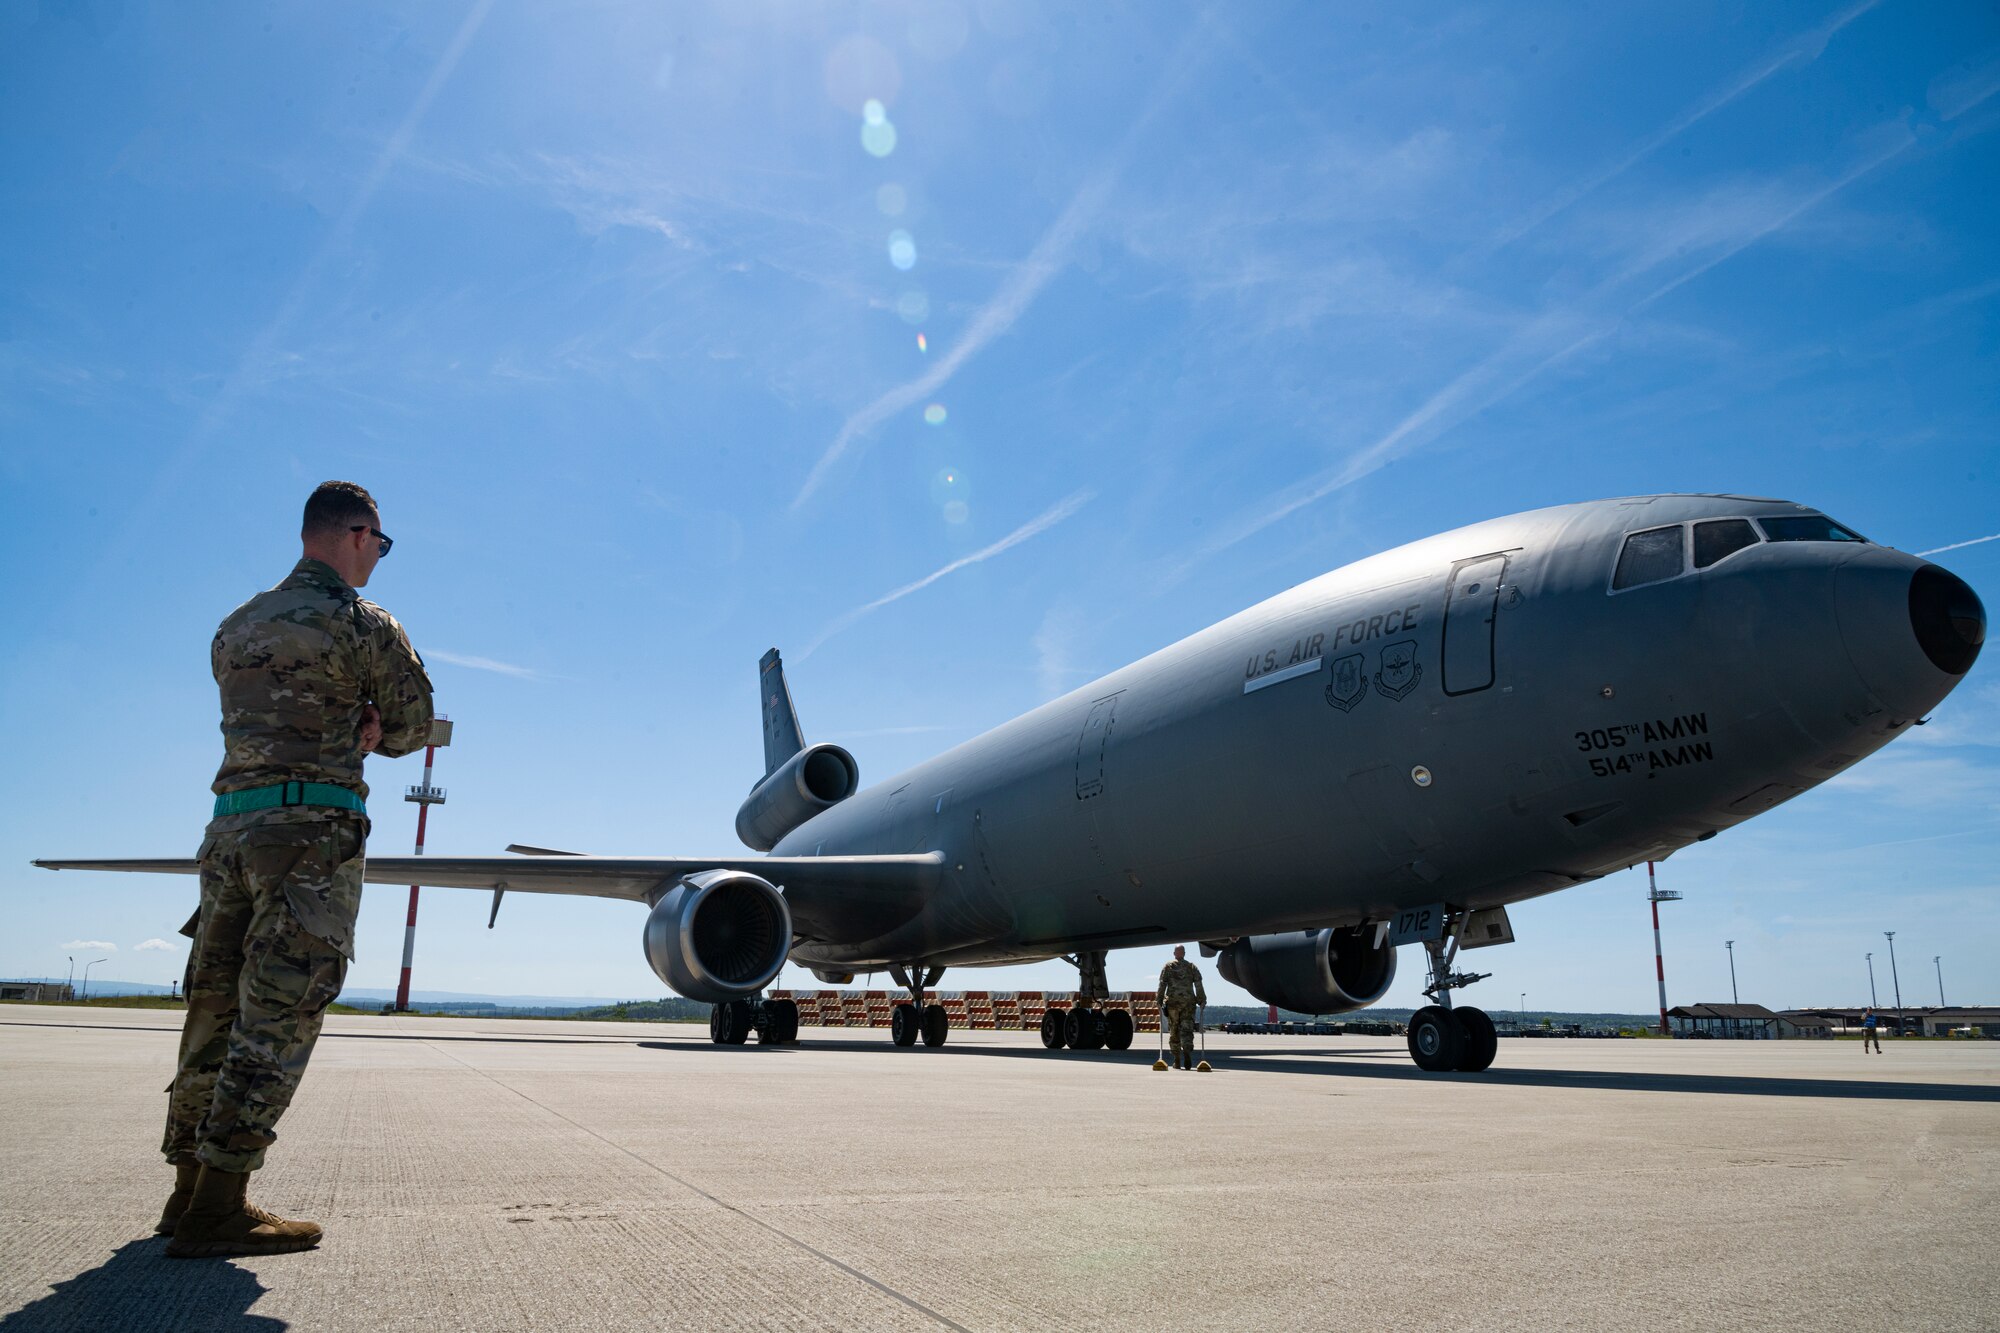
(1387, 755)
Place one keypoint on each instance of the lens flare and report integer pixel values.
(902, 250)
(922, 346)
(891, 200)
(935, 414)
(956, 512)
(914, 307)
(879, 139)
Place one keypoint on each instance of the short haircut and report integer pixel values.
(337, 506)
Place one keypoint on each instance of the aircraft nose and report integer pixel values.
(1949, 621)
(1911, 629)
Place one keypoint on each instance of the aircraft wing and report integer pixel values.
(832, 898)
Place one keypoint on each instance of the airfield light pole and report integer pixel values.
(1895, 981)
(1872, 1002)
(1730, 945)
(86, 975)
(1657, 895)
(70, 985)
(1937, 961)
(424, 796)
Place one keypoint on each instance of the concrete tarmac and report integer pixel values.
(489, 1175)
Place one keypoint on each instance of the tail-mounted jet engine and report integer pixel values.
(815, 779)
(718, 936)
(1312, 971)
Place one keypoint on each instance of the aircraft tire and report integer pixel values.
(782, 1027)
(1435, 1039)
(1053, 1034)
(936, 1025)
(903, 1025)
(1083, 1029)
(729, 1023)
(1118, 1030)
(1482, 1043)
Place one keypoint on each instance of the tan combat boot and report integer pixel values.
(185, 1174)
(221, 1220)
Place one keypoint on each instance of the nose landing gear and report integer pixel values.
(1444, 1039)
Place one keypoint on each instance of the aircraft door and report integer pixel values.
(1468, 623)
(1090, 747)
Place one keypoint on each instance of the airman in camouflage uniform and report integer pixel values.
(1180, 993)
(313, 677)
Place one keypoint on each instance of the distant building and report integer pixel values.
(1975, 1020)
(1745, 1022)
(38, 991)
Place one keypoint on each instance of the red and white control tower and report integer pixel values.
(425, 796)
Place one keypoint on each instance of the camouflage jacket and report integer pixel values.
(1181, 980)
(295, 666)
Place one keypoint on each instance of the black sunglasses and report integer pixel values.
(386, 540)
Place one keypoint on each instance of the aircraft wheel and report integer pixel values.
(729, 1024)
(1481, 1044)
(1435, 1039)
(1118, 1030)
(781, 1023)
(1083, 1029)
(936, 1025)
(1053, 1030)
(903, 1024)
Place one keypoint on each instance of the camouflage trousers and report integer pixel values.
(1178, 1015)
(271, 946)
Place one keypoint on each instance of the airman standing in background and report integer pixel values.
(1180, 993)
(313, 677)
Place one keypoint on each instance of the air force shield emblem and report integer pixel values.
(1349, 685)
(1400, 672)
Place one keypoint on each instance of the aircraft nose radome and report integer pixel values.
(1911, 629)
(1949, 621)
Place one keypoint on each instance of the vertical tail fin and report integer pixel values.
(781, 720)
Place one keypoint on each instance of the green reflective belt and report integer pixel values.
(284, 794)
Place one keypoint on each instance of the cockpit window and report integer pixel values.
(1649, 557)
(1809, 528)
(1720, 538)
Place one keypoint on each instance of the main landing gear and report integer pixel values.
(775, 1022)
(1087, 1027)
(1444, 1039)
(914, 1018)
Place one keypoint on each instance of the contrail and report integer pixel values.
(1807, 45)
(1032, 528)
(1023, 283)
(485, 664)
(1940, 550)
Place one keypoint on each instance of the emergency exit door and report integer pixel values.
(1470, 610)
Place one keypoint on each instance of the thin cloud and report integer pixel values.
(1032, 528)
(155, 945)
(483, 664)
(104, 946)
(1024, 282)
(1806, 47)
(1551, 339)
(1959, 546)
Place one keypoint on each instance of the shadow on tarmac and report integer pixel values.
(1342, 1064)
(138, 1287)
(1276, 1060)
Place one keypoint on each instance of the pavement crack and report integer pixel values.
(786, 1236)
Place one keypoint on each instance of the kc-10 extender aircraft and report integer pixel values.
(1388, 754)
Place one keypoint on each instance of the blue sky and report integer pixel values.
(965, 351)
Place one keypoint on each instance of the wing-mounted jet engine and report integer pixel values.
(719, 936)
(799, 780)
(1312, 971)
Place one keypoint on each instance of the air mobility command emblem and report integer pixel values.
(1400, 672)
